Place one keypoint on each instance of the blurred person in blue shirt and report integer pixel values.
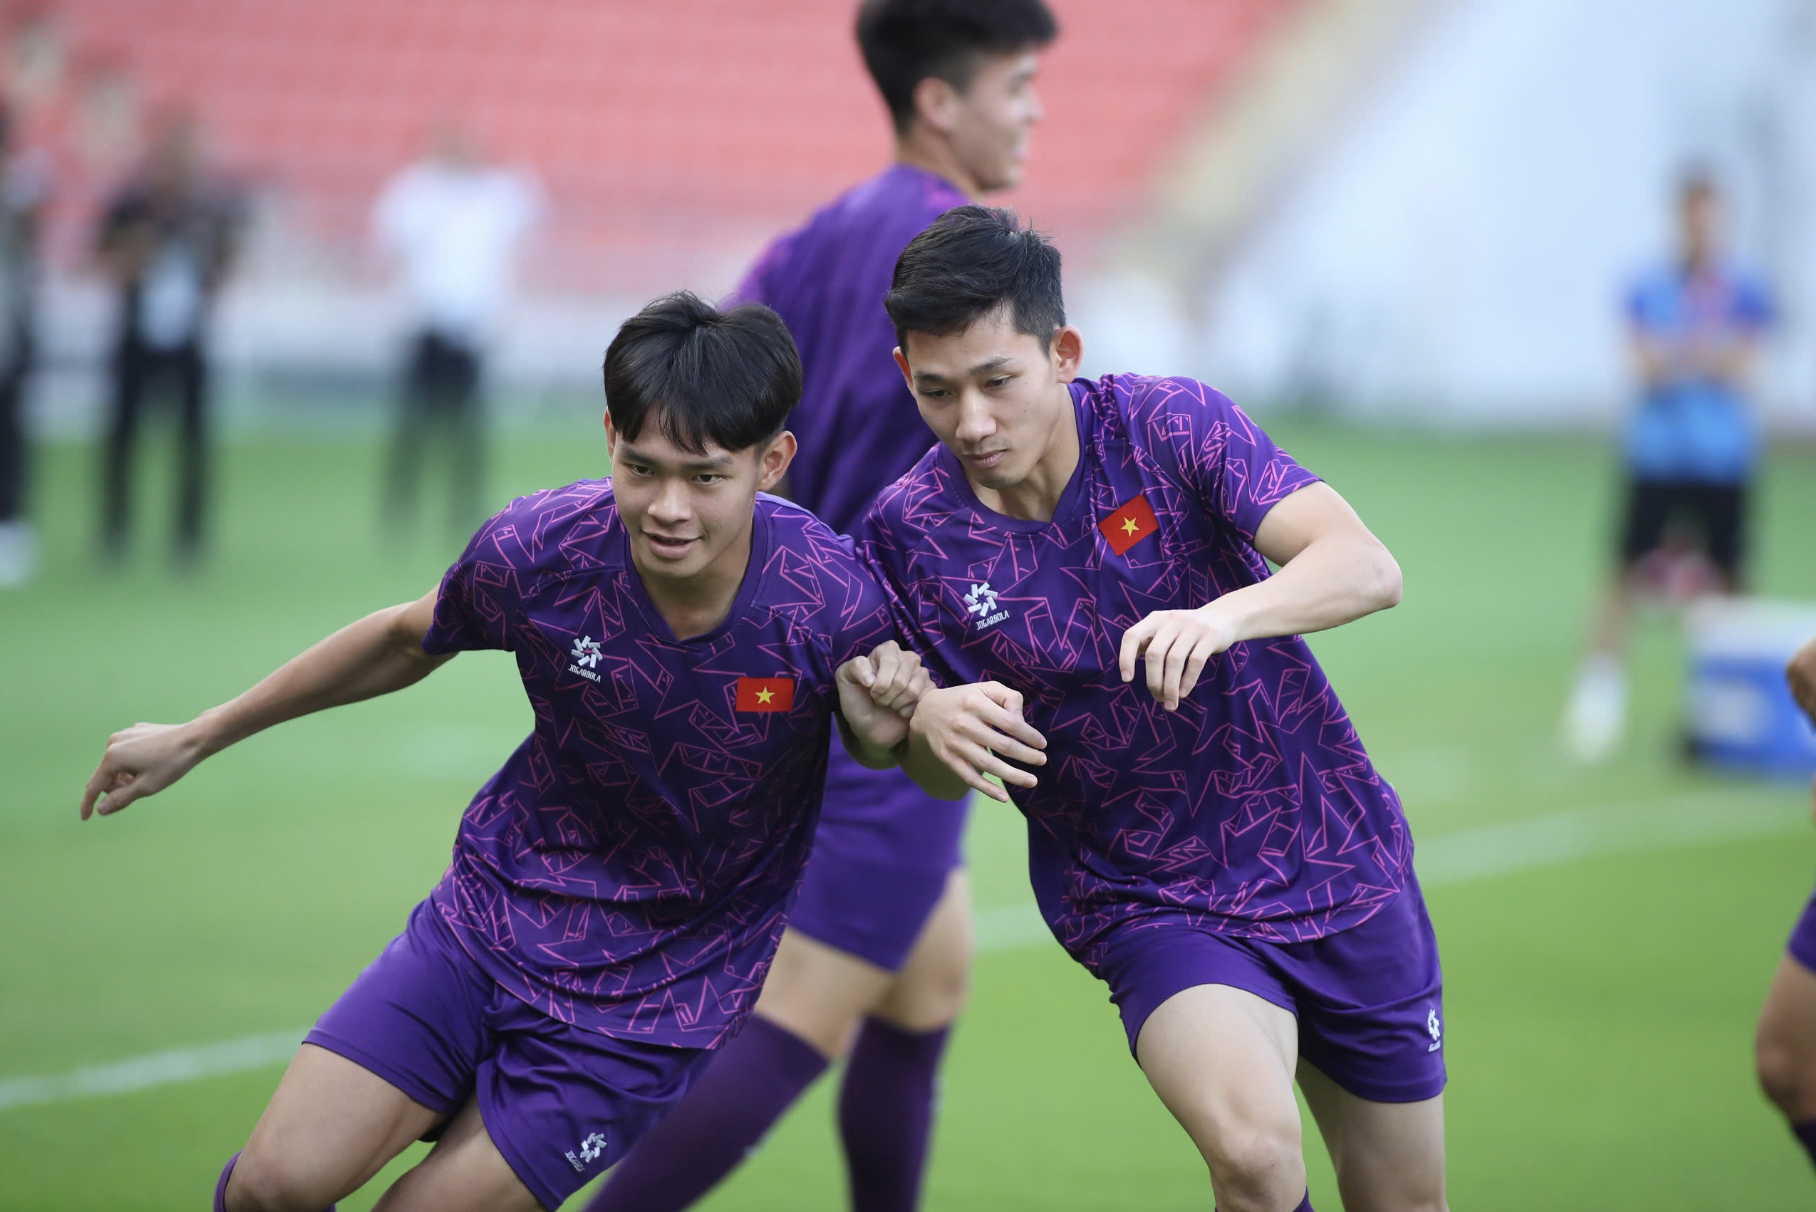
(1690, 449)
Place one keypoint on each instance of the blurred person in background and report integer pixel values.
(453, 225)
(1785, 1046)
(875, 964)
(1691, 448)
(168, 240)
(23, 187)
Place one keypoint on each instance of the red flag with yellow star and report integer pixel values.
(1132, 522)
(766, 694)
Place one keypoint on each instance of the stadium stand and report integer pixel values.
(649, 124)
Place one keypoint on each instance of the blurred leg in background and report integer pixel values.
(189, 367)
(440, 400)
(18, 547)
(131, 372)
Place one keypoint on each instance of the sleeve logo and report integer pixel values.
(1132, 522)
(766, 694)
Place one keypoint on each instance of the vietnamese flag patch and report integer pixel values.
(1132, 522)
(766, 694)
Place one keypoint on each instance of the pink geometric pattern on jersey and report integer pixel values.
(1253, 810)
(629, 867)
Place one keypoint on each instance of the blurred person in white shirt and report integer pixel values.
(453, 225)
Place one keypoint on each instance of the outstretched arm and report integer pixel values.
(1332, 571)
(380, 653)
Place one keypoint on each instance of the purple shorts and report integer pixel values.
(560, 1103)
(881, 857)
(1803, 937)
(1369, 1000)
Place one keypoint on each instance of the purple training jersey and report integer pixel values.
(857, 426)
(628, 868)
(1253, 809)
(858, 429)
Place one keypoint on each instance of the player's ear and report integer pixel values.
(611, 437)
(936, 104)
(773, 463)
(901, 360)
(1068, 353)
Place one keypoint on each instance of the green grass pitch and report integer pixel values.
(1600, 1009)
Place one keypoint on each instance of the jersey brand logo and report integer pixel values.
(766, 694)
(591, 1149)
(1434, 1028)
(1131, 522)
(980, 604)
(586, 654)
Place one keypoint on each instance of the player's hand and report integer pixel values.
(141, 761)
(972, 730)
(1176, 644)
(878, 692)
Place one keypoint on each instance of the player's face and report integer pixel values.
(993, 118)
(993, 395)
(689, 514)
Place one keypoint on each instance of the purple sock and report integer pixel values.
(1806, 1136)
(1304, 1205)
(753, 1080)
(220, 1187)
(886, 1114)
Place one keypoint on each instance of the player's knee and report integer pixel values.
(1785, 1075)
(1252, 1166)
(273, 1181)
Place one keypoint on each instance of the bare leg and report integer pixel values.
(465, 1172)
(1221, 1059)
(1785, 1047)
(328, 1129)
(930, 990)
(1389, 1157)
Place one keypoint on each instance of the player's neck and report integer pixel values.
(693, 606)
(931, 154)
(1035, 497)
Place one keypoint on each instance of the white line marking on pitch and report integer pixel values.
(1462, 856)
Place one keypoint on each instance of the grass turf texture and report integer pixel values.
(1599, 1012)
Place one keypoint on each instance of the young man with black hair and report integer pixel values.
(876, 959)
(618, 887)
(1083, 565)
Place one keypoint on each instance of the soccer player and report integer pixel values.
(618, 887)
(1084, 567)
(1691, 446)
(1785, 1050)
(876, 958)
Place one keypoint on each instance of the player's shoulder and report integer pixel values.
(1140, 402)
(553, 529)
(917, 502)
(898, 197)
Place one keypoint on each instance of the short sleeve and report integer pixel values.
(875, 547)
(1218, 452)
(865, 619)
(480, 599)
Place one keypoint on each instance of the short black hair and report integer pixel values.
(729, 378)
(906, 41)
(968, 263)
